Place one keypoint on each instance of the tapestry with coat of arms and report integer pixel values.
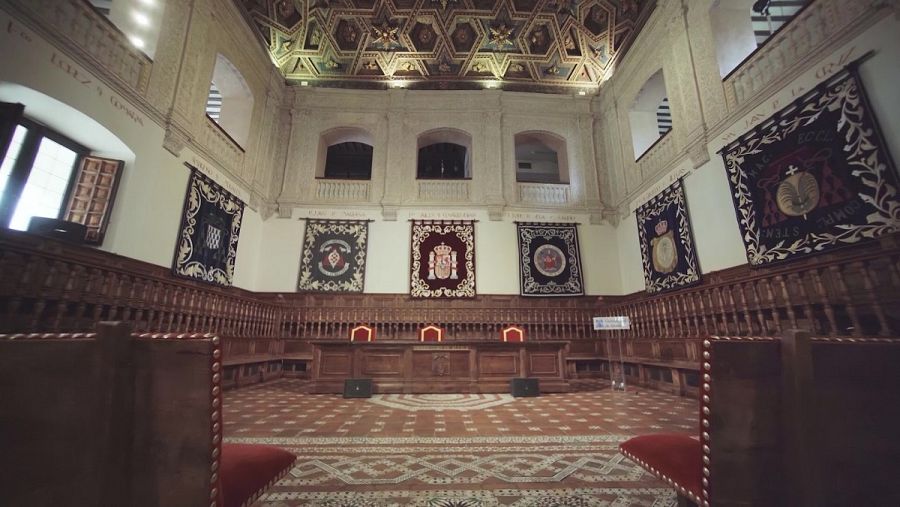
(334, 256)
(210, 228)
(549, 263)
(813, 177)
(443, 259)
(667, 245)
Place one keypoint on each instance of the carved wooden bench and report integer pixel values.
(114, 418)
(796, 421)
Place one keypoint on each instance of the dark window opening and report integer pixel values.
(350, 161)
(442, 161)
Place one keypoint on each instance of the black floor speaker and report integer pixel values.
(521, 387)
(358, 388)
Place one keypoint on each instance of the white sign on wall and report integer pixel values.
(608, 323)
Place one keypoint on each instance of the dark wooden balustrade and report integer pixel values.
(854, 292)
(50, 286)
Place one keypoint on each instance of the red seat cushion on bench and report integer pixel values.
(675, 457)
(246, 470)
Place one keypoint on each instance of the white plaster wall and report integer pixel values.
(147, 213)
(630, 268)
(713, 220)
(278, 262)
(248, 251)
(388, 259)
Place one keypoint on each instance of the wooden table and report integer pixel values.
(438, 367)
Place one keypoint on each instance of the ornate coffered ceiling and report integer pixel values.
(529, 45)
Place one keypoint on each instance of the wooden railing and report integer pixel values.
(49, 286)
(399, 317)
(851, 293)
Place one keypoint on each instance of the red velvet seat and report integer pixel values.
(247, 470)
(673, 457)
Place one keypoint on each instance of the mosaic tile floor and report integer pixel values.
(557, 450)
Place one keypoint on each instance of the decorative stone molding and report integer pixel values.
(175, 140)
(443, 191)
(265, 208)
(389, 213)
(285, 210)
(342, 191)
(821, 24)
(81, 28)
(495, 213)
(698, 151)
(543, 194)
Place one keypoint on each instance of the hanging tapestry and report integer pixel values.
(443, 259)
(813, 177)
(210, 227)
(667, 245)
(334, 256)
(549, 264)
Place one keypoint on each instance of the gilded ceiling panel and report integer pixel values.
(554, 46)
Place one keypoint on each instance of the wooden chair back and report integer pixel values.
(800, 421)
(110, 419)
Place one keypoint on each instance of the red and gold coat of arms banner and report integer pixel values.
(443, 259)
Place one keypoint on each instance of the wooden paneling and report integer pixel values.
(499, 363)
(410, 367)
(379, 364)
(543, 364)
(450, 364)
(336, 363)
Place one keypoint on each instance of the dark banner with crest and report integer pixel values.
(334, 256)
(667, 245)
(443, 259)
(549, 264)
(210, 227)
(813, 177)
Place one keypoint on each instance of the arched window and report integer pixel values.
(229, 102)
(345, 153)
(740, 26)
(444, 154)
(541, 157)
(139, 21)
(649, 115)
(59, 164)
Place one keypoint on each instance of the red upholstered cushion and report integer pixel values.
(675, 457)
(245, 470)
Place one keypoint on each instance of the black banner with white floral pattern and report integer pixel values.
(813, 177)
(443, 259)
(549, 263)
(210, 228)
(667, 245)
(334, 256)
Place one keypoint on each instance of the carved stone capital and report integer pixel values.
(175, 140)
(285, 210)
(698, 151)
(612, 216)
(264, 207)
(389, 213)
(495, 213)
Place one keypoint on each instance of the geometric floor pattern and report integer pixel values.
(556, 450)
(416, 402)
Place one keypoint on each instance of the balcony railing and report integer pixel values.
(78, 26)
(443, 191)
(546, 194)
(814, 27)
(342, 191)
